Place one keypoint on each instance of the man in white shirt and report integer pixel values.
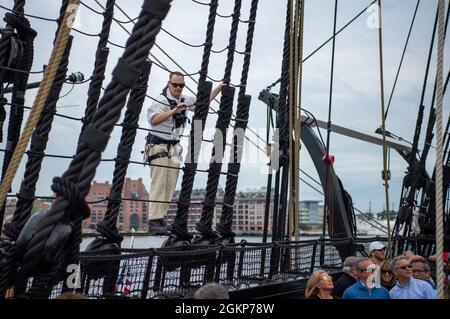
(167, 118)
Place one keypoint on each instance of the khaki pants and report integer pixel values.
(164, 180)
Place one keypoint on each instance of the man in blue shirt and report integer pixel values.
(408, 287)
(365, 288)
(421, 270)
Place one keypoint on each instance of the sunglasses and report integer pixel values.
(404, 267)
(177, 85)
(386, 272)
(327, 278)
(369, 270)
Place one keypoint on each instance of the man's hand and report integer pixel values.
(215, 91)
(163, 116)
(179, 108)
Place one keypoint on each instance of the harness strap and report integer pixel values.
(158, 155)
(179, 119)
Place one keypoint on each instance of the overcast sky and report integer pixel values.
(356, 95)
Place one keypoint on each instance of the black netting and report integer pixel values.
(176, 272)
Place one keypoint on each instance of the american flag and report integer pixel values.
(123, 284)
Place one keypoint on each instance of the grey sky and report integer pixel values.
(356, 98)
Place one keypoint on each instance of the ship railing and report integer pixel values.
(177, 272)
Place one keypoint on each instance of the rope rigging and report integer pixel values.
(329, 39)
(180, 235)
(440, 275)
(401, 59)
(223, 228)
(327, 159)
(33, 166)
(75, 183)
(104, 32)
(42, 246)
(386, 174)
(417, 178)
(165, 31)
(161, 65)
(101, 58)
(187, 74)
(291, 100)
(281, 140)
(108, 232)
(44, 93)
(16, 50)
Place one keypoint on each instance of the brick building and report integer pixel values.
(195, 210)
(133, 213)
(248, 217)
(249, 210)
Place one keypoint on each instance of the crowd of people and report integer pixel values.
(406, 276)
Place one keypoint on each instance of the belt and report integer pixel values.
(153, 139)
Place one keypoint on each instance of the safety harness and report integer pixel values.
(179, 119)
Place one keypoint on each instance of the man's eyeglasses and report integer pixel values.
(177, 85)
(418, 270)
(404, 267)
(369, 270)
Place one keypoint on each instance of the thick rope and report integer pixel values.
(38, 105)
(223, 228)
(427, 224)
(38, 144)
(299, 57)
(284, 144)
(291, 117)
(6, 38)
(25, 39)
(158, 63)
(439, 154)
(3, 102)
(33, 165)
(101, 58)
(326, 208)
(223, 121)
(422, 98)
(78, 177)
(385, 173)
(107, 229)
(179, 225)
(232, 41)
(208, 40)
(282, 132)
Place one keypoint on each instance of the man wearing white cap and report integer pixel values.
(377, 251)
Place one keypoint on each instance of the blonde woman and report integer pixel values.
(319, 286)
